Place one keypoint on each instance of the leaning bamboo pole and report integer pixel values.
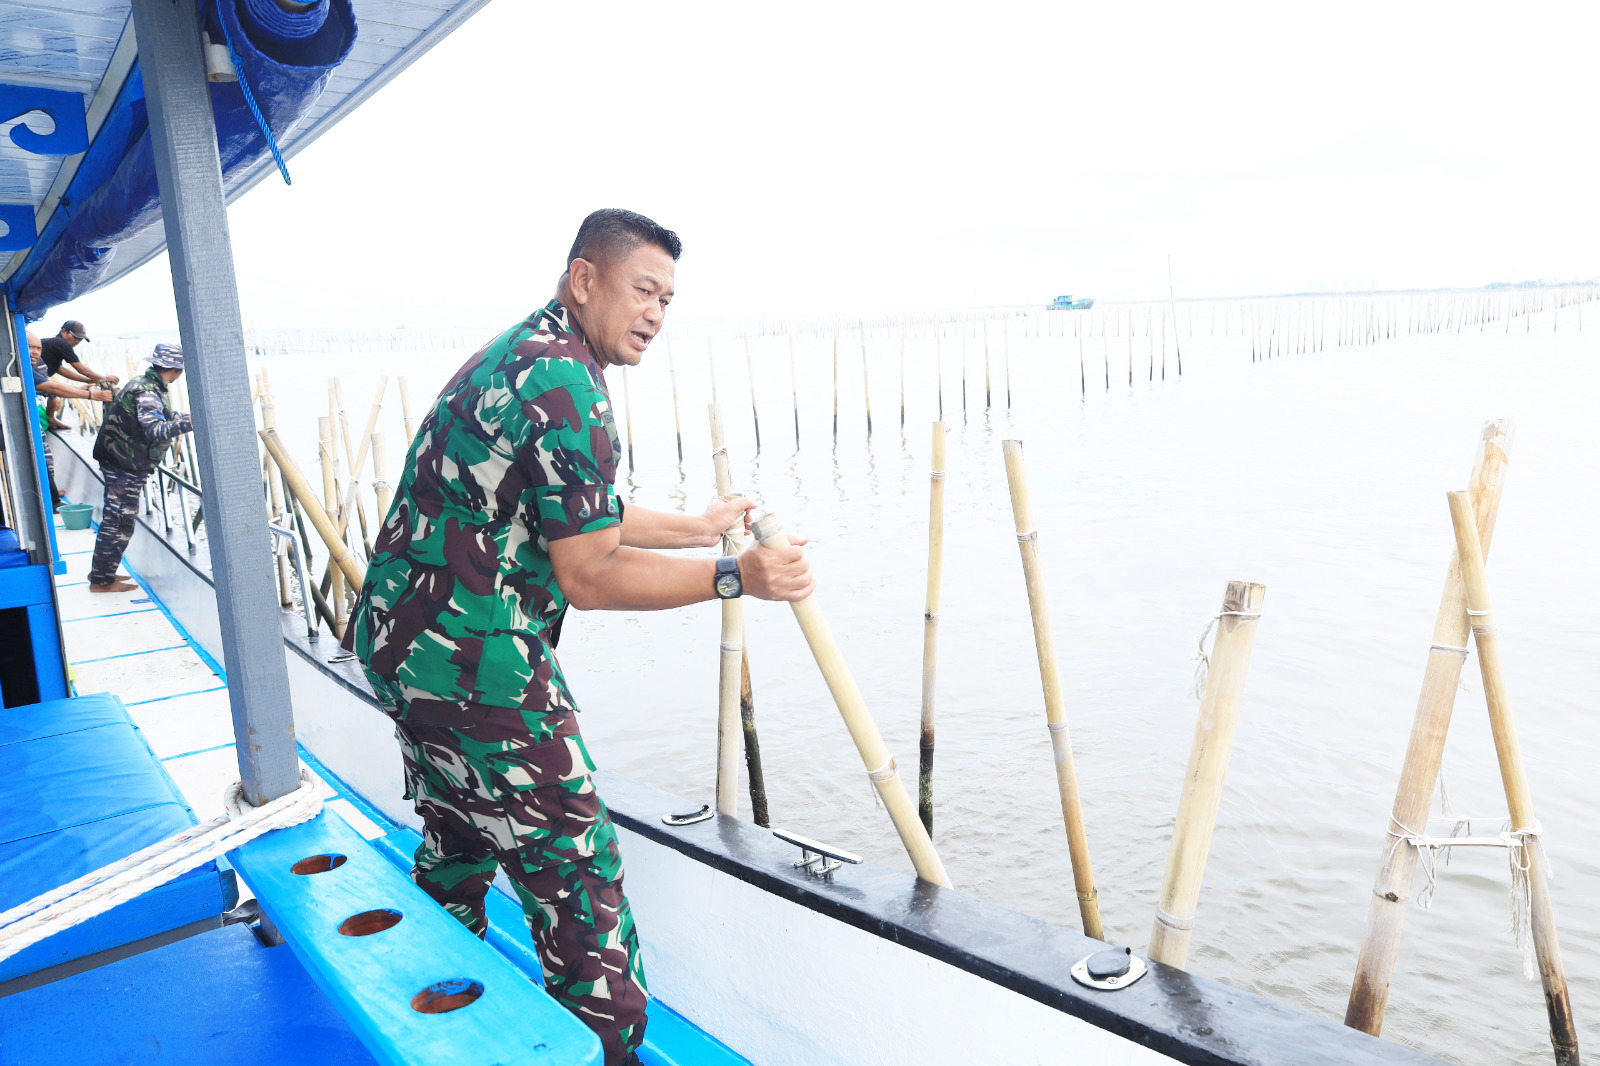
(1054, 704)
(330, 499)
(930, 627)
(1419, 775)
(348, 494)
(881, 769)
(299, 487)
(1514, 776)
(729, 726)
(1236, 626)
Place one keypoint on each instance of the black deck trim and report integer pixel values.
(1191, 1019)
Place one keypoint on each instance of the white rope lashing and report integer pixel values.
(95, 893)
(1518, 844)
(1202, 666)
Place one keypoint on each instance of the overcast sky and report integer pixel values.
(855, 156)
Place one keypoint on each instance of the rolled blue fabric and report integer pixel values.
(287, 59)
(270, 23)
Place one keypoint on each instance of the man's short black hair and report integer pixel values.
(613, 232)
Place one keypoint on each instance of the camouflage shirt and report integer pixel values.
(139, 426)
(519, 450)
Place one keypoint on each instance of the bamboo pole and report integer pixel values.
(794, 393)
(1236, 626)
(330, 498)
(405, 410)
(380, 480)
(752, 745)
(930, 627)
(1419, 775)
(755, 416)
(880, 765)
(988, 392)
(348, 494)
(1514, 776)
(903, 371)
(866, 385)
(300, 489)
(1054, 704)
(729, 725)
(836, 386)
(677, 424)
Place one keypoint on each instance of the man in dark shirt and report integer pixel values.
(60, 358)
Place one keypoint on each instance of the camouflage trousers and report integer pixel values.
(116, 523)
(502, 788)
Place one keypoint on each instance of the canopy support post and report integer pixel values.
(189, 173)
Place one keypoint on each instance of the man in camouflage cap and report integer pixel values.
(506, 514)
(139, 427)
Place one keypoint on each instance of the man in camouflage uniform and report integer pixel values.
(138, 428)
(506, 513)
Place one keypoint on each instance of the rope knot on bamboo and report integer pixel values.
(1172, 921)
(1202, 666)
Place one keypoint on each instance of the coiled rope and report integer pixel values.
(95, 893)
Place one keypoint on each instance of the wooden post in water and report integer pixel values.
(1005, 338)
(677, 425)
(755, 416)
(729, 728)
(866, 388)
(903, 373)
(1419, 776)
(880, 766)
(405, 410)
(988, 392)
(1236, 626)
(836, 386)
(794, 393)
(930, 627)
(1054, 704)
(1514, 776)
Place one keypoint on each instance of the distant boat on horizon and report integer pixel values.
(1070, 303)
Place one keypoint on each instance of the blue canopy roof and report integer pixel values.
(79, 201)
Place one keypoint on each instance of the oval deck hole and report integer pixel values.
(445, 996)
(318, 864)
(368, 922)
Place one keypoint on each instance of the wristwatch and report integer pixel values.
(727, 585)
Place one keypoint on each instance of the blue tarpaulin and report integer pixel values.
(284, 57)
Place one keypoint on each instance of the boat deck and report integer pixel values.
(130, 645)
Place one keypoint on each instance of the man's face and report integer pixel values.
(35, 349)
(621, 304)
(72, 339)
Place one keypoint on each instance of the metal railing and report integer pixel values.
(282, 539)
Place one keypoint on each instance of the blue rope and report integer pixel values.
(249, 98)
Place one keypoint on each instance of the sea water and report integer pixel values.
(1321, 474)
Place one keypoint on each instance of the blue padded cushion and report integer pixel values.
(214, 998)
(79, 789)
(11, 553)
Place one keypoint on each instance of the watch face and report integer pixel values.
(728, 585)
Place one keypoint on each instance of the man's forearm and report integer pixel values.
(74, 372)
(630, 579)
(644, 528)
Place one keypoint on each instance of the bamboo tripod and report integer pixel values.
(1419, 776)
(880, 765)
(1466, 607)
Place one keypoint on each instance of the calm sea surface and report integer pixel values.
(1321, 474)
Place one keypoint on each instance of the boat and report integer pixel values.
(129, 723)
(1070, 303)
